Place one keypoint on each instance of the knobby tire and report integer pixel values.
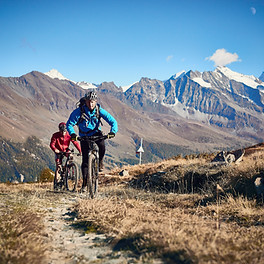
(72, 176)
(92, 179)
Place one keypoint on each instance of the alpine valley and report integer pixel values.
(191, 112)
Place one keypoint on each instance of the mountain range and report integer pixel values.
(190, 112)
(222, 98)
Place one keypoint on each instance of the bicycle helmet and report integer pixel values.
(91, 95)
(62, 126)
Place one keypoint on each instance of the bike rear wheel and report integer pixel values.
(92, 179)
(72, 176)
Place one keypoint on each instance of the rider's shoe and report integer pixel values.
(101, 166)
(56, 186)
(60, 184)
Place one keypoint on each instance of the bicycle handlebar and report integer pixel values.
(92, 138)
(71, 151)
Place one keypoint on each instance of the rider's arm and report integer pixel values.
(72, 121)
(109, 119)
(52, 144)
(77, 145)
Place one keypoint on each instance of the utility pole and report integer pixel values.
(140, 151)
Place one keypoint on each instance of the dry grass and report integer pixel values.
(21, 229)
(250, 162)
(195, 175)
(159, 166)
(228, 228)
(180, 232)
(193, 223)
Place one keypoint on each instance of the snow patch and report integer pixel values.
(193, 114)
(248, 80)
(201, 82)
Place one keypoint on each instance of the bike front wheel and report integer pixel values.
(72, 176)
(92, 179)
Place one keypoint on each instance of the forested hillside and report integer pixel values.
(23, 161)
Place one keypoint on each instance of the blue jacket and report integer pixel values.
(92, 125)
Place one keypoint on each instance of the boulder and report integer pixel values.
(259, 184)
(229, 157)
(124, 173)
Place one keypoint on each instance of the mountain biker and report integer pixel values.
(88, 121)
(59, 143)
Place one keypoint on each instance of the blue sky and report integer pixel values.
(124, 40)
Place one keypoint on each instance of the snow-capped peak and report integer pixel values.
(86, 85)
(248, 80)
(55, 74)
(177, 75)
(124, 88)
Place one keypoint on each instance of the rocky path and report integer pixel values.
(69, 242)
(65, 237)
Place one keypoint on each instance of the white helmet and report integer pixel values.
(91, 95)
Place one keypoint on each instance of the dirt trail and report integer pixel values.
(64, 235)
(70, 244)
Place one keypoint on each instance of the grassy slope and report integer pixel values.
(157, 211)
(191, 225)
(22, 238)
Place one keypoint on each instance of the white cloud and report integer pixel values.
(169, 57)
(221, 57)
(253, 10)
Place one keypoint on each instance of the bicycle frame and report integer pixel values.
(66, 157)
(68, 171)
(93, 163)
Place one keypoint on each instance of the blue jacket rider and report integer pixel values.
(88, 121)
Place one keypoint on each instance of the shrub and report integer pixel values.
(46, 175)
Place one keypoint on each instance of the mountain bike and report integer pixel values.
(68, 171)
(93, 163)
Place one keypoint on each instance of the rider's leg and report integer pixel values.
(101, 145)
(58, 167)
(84, 166)
(57, 175)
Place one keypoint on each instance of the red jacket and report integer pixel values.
(61, 143)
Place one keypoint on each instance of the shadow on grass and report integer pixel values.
(86, 227)
(138, 246)
(133, 244)
(179, 257)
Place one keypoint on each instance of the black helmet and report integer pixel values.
(62, 126)
(91, 95)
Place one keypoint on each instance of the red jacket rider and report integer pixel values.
(60, 141)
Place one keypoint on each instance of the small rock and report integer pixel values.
(124, 173)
